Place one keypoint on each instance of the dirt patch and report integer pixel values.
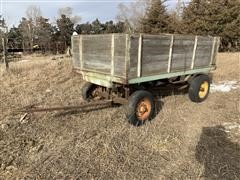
(184, 141)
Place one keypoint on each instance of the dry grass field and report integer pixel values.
(184, 141)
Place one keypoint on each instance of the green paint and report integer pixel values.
(169, 75)
(107, 80)
(100, 82)
(101, 79)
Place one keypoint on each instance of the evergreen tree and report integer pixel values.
(120, 27)
(156, 19)
(15, 38)
(175, 23)
(97, 27)
(109, 27)
(44, 32)
(214, 17)
(84, 28)
(66, 29)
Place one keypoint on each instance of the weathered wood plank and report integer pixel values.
(170, 55)
(75, 51)
(182, 53)
(139, 69)
(119, 55)
(194, 52)
(81, 51)
(213, 49)
(138, 56)
(216, 49)
(133, 56)
(127, 55)
(155, 67)
(112, 54)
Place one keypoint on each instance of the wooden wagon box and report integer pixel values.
(111, 59)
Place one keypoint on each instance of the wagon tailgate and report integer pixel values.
(101, 54)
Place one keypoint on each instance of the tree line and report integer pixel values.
(199, 17)
(36, 32)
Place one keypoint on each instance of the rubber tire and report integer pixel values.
(132, 105)
(194, 88)
(86, 90)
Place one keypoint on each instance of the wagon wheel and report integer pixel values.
(140, 107)
(90, 91)
(199, 88)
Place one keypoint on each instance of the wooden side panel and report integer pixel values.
(158, 57)
(155, 54)
(216, 48)
(182, 53)
(134, 40)
(144, 56)
(119, 55)
(96, 53)
(203, 52)
(101, 55)
(75, 51)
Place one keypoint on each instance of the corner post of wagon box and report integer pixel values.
(112, 54)
(170, 54)
(213, 49)
(81, 52)
(218, 46)
(194, 52)
(127, 54)
(139, 67)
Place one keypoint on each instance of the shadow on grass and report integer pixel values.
(169, 90)
(220, 156)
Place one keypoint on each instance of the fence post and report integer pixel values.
(5, 53)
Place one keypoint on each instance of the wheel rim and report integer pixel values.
(143, 109)
(203, 89)
(94, 93)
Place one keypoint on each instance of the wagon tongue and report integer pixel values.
(84, 107)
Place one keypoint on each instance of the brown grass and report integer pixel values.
(184, 141)
(228, 67)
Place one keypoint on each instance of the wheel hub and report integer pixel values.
(203, 89)
(143, 109)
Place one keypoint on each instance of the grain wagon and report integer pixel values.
(125, 67)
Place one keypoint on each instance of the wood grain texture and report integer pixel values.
(75, 51)
(133, 49)
(99, 52)
(119, 55)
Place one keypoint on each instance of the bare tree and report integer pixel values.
(132, 14)
(3, 35)
(68, 12)
(33, 13)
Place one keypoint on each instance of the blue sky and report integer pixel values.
(13, 10)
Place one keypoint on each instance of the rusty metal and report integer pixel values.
(120, 100)
(82, 107)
